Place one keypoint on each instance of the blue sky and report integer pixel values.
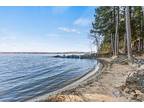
(45, 29)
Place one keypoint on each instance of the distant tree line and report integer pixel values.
(118, 29)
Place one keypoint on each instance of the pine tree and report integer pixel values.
(117, 32)
(128, 33)
(109, 29)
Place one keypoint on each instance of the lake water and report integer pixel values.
(24, 76)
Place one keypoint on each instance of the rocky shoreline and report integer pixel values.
(134, 86)
(118, 82)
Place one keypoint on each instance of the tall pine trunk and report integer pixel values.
(142, 29)
(143, 9)
(140, 32)
(112, 32)
(112, 43)
(125, 43)
(125, 39)
(128, 33)
(116, 32)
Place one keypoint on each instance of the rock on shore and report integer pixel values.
(134, 85)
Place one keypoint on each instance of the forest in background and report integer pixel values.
(118, 30)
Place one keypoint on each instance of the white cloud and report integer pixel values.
(60, 9)
(82, 22)
(69, 30)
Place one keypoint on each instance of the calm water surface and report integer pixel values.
(24, 77)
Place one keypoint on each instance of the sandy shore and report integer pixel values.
(103, 88)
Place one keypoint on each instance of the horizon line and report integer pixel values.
(68, 52)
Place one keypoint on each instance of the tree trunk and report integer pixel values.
(113, 32)
(112, 22)
(116, 33)
(142, 29)
(125, 44)
(112, 43)
(143, 9)
(140, 33)
(128, 34)
(125, 39)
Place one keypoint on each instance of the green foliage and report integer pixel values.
(105, 22)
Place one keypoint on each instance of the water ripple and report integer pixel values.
(27, 76)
